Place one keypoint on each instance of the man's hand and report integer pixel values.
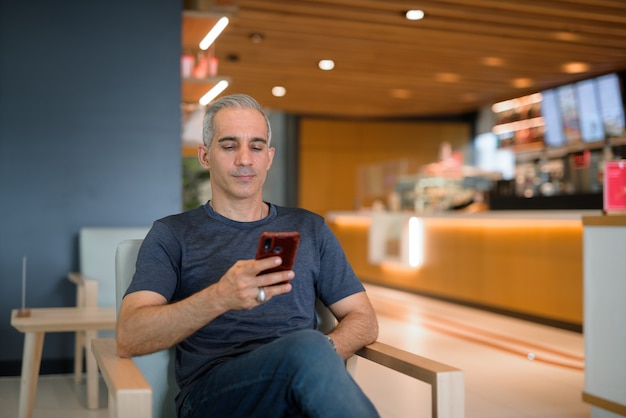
(240, 286)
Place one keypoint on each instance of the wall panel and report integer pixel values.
(332, 151)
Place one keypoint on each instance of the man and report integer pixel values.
(246, 343)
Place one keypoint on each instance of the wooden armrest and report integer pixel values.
(130, 395)
(447, 382)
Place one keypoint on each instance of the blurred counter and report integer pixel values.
(524, 263)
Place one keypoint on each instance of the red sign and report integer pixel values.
(615, 186)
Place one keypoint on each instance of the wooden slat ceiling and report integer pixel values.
(465, 54)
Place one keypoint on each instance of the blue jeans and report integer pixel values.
(299, 375)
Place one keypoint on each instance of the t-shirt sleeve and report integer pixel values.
(158, 263)
(337, 279)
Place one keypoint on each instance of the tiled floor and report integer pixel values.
(493, 351)
(57, 397)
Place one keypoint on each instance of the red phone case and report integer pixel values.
(283, 244)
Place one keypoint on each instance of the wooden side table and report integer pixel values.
(35, 326)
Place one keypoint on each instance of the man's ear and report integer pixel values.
(271, 151)
(203, 156)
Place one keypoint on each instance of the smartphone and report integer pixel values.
(283, 244)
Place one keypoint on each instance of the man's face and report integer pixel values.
(239, 156)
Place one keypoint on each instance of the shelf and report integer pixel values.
(195, 25)
(518, 125)
(534, 151)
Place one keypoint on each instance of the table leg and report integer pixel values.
(33, 345)
(78, 355)
(92, 371)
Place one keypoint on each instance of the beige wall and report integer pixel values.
(331, 152)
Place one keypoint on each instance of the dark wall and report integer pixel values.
(89, 136)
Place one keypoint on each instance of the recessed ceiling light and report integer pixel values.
(575, 67)
(279, 91)
(522, 83)
(257, 38)
(448, 77)
(326, 65)
(414, 14)
(493, 61)
(566, 36)
(400, 93)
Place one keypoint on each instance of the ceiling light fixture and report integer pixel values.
(522, 83)
(575, 67)
(326, 65)
(493, 61)
(279, 91)
(400, 93)
(414, 14)
(448, 77)
(566, 36)
(213, 93)
(256, 38)
(212, 35)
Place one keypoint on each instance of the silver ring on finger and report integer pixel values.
(261, 296)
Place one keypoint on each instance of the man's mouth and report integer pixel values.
(244, 176)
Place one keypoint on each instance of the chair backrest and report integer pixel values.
(97, 246)
(157, 368)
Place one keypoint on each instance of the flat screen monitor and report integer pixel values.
(550, 110)
(569, 113)
(589, 111)
(611, 104)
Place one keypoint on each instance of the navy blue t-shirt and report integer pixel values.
(187, 252)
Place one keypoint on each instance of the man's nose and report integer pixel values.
(244, 156)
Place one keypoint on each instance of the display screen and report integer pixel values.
(611, 104)
(569, 113)
(588, 111)
(554, 136)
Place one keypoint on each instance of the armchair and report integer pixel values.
(94, 282)
(144, 387)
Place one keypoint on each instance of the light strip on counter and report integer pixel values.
(416, 242)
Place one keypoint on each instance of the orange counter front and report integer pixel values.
(527, 263)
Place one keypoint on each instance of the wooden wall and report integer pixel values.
(331, 152)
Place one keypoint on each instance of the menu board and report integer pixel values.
(553, 130)
(569, 113)
(611, 104)
(588, 111)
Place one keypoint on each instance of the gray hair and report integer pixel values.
(237, 101)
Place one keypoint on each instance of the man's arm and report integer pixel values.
(357, 325)
(148, 323)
